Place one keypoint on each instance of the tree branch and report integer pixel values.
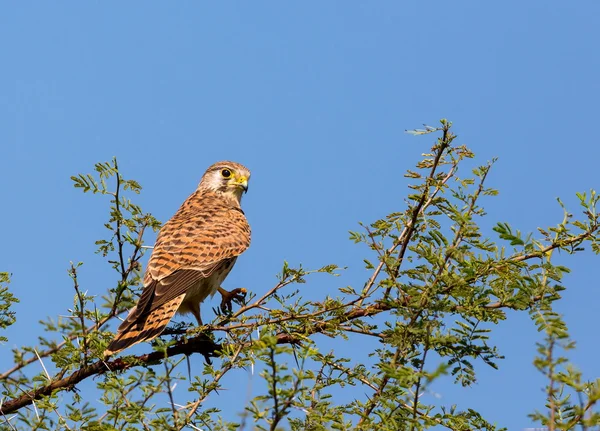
(200, 344)
(114, 311)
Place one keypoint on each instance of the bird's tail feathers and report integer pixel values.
(143, 328)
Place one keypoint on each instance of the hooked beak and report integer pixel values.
(243, 183)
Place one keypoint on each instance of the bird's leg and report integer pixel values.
(196, 312)
(227, 297)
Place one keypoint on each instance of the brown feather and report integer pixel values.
(155, 322)
(194, 252)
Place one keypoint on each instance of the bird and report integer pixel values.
(194, 252)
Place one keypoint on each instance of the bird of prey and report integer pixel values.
(194, 252)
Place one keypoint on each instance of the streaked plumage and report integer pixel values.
(194, 252)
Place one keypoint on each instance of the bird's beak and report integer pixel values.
(242, 182)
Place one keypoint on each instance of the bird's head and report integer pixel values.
(228, 178)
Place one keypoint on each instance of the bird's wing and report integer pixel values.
(154, 323)
(189, 248)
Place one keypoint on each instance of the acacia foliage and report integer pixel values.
(437, 286)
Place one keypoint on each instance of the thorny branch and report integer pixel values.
(81, 312)
(194, 406)
(125, 272)
(276, 414)
(551, 391)
(202, 345)
(424, 202)
(445, 141)
(115, 311)
(120, 241)
(419, 380)
(336, 316)
(375, 397)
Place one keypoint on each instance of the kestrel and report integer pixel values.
(194, 252)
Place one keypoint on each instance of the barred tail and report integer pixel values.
(143, 328)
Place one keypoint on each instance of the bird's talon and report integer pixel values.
(238, 295)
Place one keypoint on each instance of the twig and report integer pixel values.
(118, 219)
(7, 420)
(276, 415)
(557, 244)
(418, 388)
(167, 381)
(412, 224)
(287, 404)
(259, 302)
(194, 406)
(56, 348)
(200, 344)
(73, 273)
(377, 395)
(551, 390)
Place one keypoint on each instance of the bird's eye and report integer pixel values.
(226, 173)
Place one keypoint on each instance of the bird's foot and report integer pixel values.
(227, 297)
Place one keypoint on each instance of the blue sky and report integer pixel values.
(313, 97)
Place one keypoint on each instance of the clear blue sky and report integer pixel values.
(313, 97)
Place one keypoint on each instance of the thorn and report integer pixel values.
(189, 368)
(35, 409)
(43, 366)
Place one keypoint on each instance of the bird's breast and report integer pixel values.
(200, 290)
